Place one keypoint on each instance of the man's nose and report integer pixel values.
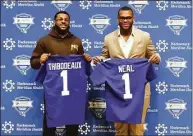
(125, 21)
(63, 21)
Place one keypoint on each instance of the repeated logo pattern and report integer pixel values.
(8, 85)
(91, 21)
(161, 129)
(84, 129)
(161, 87)
(8, 127)
(85, 4)
(162, 46)
(162, 5)
(9, 44)
(47, 23)
(9, 4)
(86, 44)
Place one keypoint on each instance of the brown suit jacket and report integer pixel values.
(142, 48)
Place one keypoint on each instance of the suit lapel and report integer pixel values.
(116, 41)
(135, 41)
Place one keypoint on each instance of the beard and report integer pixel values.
(125, 31)
(60, 31)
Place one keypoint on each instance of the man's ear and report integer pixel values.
(133, 18)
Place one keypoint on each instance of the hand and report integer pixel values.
(97, 59)
(154, 58)
(44, 57)
(87, 57)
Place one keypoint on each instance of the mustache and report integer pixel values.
(63, 23)
(60, 31)
(130, 25)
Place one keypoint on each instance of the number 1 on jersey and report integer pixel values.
(127, 94)
(65, 90)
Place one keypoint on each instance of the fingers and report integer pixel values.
(97, 59)
(154, 59)
(87, 57)
(44, 57)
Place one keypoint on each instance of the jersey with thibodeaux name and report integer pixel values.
(125, 81)
(65, 80)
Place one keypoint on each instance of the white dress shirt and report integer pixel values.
(125, 45)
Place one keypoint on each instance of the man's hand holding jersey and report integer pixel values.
(87, 57)
(44, 57)
(97, 59)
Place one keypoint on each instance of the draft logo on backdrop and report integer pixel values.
(22, 105)
(98, 107)
(99, 22)
(176, 23)
(176, 107)
(60, 131)
(22, 63)
(138, 6)
(62, 4)
(23, 22)
(176, 65)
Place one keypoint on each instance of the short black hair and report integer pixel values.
(125, 8)
(63, 12)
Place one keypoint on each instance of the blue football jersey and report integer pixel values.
(125, 81)
(65, 81)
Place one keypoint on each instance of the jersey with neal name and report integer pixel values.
(125, 81)
(65, 81)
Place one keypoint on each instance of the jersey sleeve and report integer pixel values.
(41, 74)
(151, 73)
(98, 77)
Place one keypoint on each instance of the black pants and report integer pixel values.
(71, 130)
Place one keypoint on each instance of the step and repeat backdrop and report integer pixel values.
(169, 24)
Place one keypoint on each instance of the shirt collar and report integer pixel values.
(132, 33)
